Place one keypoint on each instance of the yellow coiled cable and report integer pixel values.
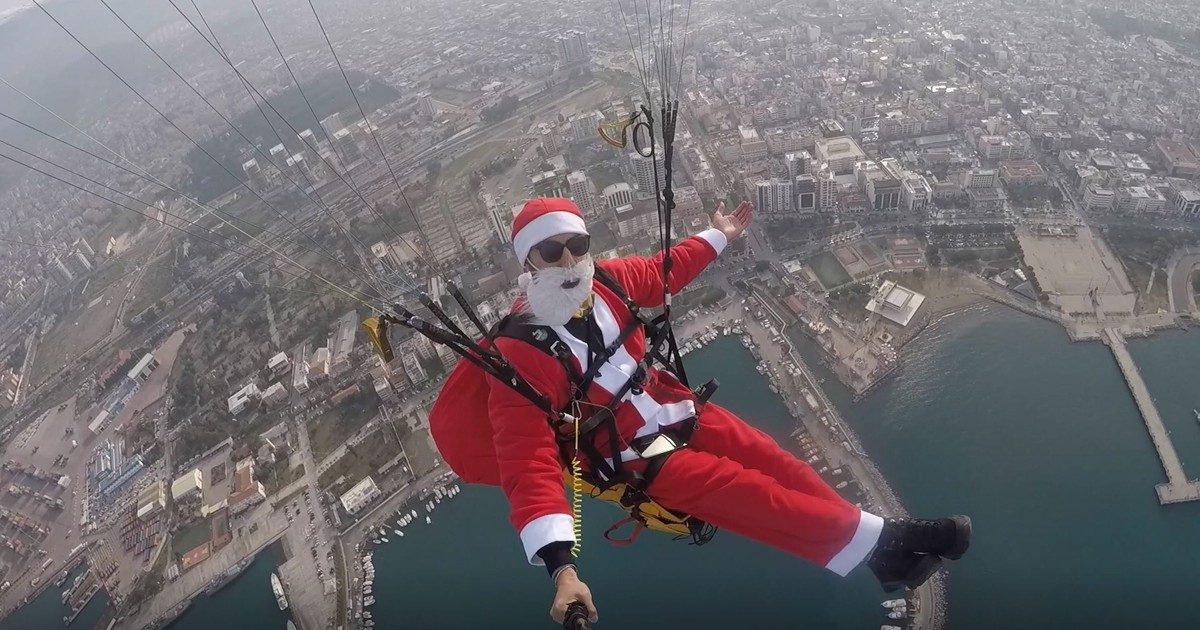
(576, 493)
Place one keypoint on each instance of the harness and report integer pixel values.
(609, 479)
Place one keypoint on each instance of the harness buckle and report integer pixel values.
(637, 379)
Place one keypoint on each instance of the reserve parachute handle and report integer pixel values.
(618, 134)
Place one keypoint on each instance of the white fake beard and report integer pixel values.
(547, 300)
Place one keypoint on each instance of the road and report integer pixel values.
(1179, 280)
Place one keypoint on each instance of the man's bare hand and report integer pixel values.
(732, 225)
(571, 590)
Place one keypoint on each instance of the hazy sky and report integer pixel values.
(9, 5)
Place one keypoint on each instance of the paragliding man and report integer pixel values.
(720, 470)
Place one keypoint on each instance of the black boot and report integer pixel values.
(897, 569)
(946, 537)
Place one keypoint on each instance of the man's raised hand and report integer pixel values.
(732, 225)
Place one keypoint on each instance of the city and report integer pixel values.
(203, 202)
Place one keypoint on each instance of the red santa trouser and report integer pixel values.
(738, 478)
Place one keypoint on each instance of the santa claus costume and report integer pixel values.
(729, 474)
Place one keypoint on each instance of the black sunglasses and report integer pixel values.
(552, 251)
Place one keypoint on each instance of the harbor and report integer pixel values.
(388, 527)
(1178, 488)
(259, 528)
(824, 438)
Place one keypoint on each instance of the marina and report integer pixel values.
(362, 586)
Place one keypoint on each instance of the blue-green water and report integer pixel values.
(998, 416)
(468, 566)
(994, 414)
(47, 611)
(246, 602)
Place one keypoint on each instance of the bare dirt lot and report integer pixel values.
(77, 332)
(1071, 269)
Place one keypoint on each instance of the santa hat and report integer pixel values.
(541, 218)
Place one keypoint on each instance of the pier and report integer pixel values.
(1178, 487)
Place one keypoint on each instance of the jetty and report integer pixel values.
(1178, 487)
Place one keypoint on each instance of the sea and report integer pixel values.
(993, 414)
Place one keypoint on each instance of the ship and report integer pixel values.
(893, 603)
(277, 588)
(1197, 412)
(223, 580)
(290, 625)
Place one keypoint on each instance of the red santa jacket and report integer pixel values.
(526, 453)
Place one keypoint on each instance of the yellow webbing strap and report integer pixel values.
(651, 513)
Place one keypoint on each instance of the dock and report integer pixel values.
(1178, 488)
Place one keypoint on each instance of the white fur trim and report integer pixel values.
(860, 545)
(542, 228)
(544, 530)
(716, 238)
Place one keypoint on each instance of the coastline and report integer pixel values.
(826, 424)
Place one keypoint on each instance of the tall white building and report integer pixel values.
(346, 147)
(1185, 198)
(500, 220)
(826, 189)
(332, 123)
(1098, 199)
(302, 169)
(584, 126)
(797, 164)
(582, 193)
(981, 178)
(915, 193)
(64, 274)
(254, 174)
(804, 190)
(308, 140)
(774, 197)
(550, 142)
(412, 365)
(571, 47)
(644, 173)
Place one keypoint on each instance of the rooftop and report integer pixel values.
(895, 302)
